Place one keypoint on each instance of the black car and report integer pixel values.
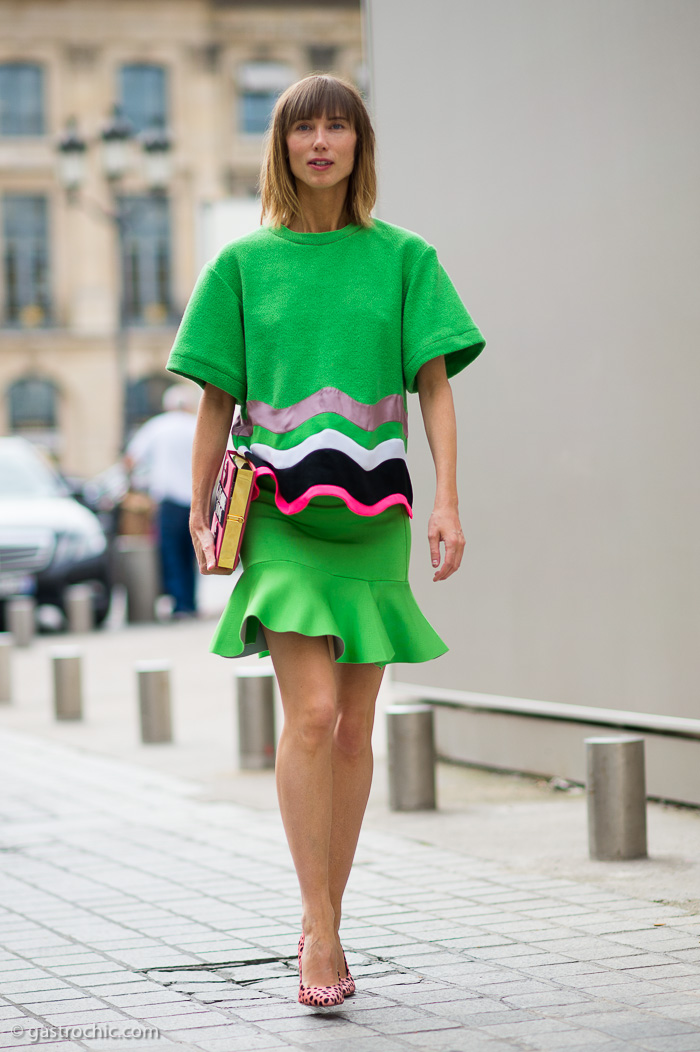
(48, 540)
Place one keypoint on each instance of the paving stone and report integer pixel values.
(636, 994)
(690, 1012)
(580, 1041)
(51, 1046)
(427, 993)
(457, 1041)
(488, 1017)
(57, 997)
(370, 1043)
(251, 1044)
(18, 989)
(674, 1043)
(416, 1026)
(273, 1010)
(680, 982)
(61, 1009)
(652, 1028)
(93, 1017)
(668, 970)
(310, 1022)
(530, 1028)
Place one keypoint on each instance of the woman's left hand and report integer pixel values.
(444, 528)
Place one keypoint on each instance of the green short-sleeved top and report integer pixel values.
(319, 337)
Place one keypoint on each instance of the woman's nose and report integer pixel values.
(320, 140)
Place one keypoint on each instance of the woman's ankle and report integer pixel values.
(318, 923)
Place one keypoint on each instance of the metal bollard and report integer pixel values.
(137, 561)
(256, 721)
(67, 683)
(617, 816)
(154, 701)
(79, 610)
(20, 619)
(411, 742)
(5, 667)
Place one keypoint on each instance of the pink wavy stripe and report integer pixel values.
(329, 491)
(327, 400)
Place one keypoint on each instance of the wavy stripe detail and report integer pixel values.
(393, 449)
(327, 400)
(326, 467)
(329, 422)
(292, 507)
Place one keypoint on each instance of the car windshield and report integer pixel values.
(23, 473)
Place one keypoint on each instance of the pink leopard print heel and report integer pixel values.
(347, 985)
(318, 996)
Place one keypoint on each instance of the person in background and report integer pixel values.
(162, 449)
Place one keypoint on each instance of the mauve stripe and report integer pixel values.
(327, 400)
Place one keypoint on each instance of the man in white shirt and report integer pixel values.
(162, 449)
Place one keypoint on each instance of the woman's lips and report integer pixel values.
(320, 166)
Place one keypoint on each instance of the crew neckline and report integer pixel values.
(324, 237)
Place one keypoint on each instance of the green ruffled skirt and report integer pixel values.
(327, 572)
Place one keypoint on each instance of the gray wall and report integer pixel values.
(549, 149)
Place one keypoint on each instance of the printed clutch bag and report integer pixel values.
(231, 503)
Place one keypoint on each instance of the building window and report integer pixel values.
(144, 399)
(260, 84)
(322, 57)
(146, 260)
(32, 405)
(143, 96)
(25, 259)
(21, 99)
(32, 411)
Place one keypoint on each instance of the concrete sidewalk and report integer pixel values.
(135, 898)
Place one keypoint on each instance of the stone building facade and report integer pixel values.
(206, 72)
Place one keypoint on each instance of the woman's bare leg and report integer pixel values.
(357, 687)
(304, 774)
(324, 773)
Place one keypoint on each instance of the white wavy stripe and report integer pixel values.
(392, 449)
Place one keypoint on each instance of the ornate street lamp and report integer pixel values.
(157, 155)
(71, 158)
(116, 136)
(116, 139)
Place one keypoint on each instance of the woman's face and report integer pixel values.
(321, 151)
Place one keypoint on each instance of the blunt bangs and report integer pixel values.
(320, 95)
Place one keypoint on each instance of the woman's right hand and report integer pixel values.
(203, 541)
(210, 438)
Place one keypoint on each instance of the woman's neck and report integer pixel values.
(320, 211)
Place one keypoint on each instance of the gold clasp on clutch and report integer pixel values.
(234, 518)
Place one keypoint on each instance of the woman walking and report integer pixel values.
(317, 326)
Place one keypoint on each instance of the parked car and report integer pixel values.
(48, 540)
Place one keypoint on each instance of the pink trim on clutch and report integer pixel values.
(328, 491)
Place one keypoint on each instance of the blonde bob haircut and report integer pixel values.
(317, 96)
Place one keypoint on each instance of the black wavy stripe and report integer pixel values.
(330, 467)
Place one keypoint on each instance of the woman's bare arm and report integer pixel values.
(437, 407)
(210, 440)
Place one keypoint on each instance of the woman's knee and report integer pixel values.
(313, 720)
(353, 733)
